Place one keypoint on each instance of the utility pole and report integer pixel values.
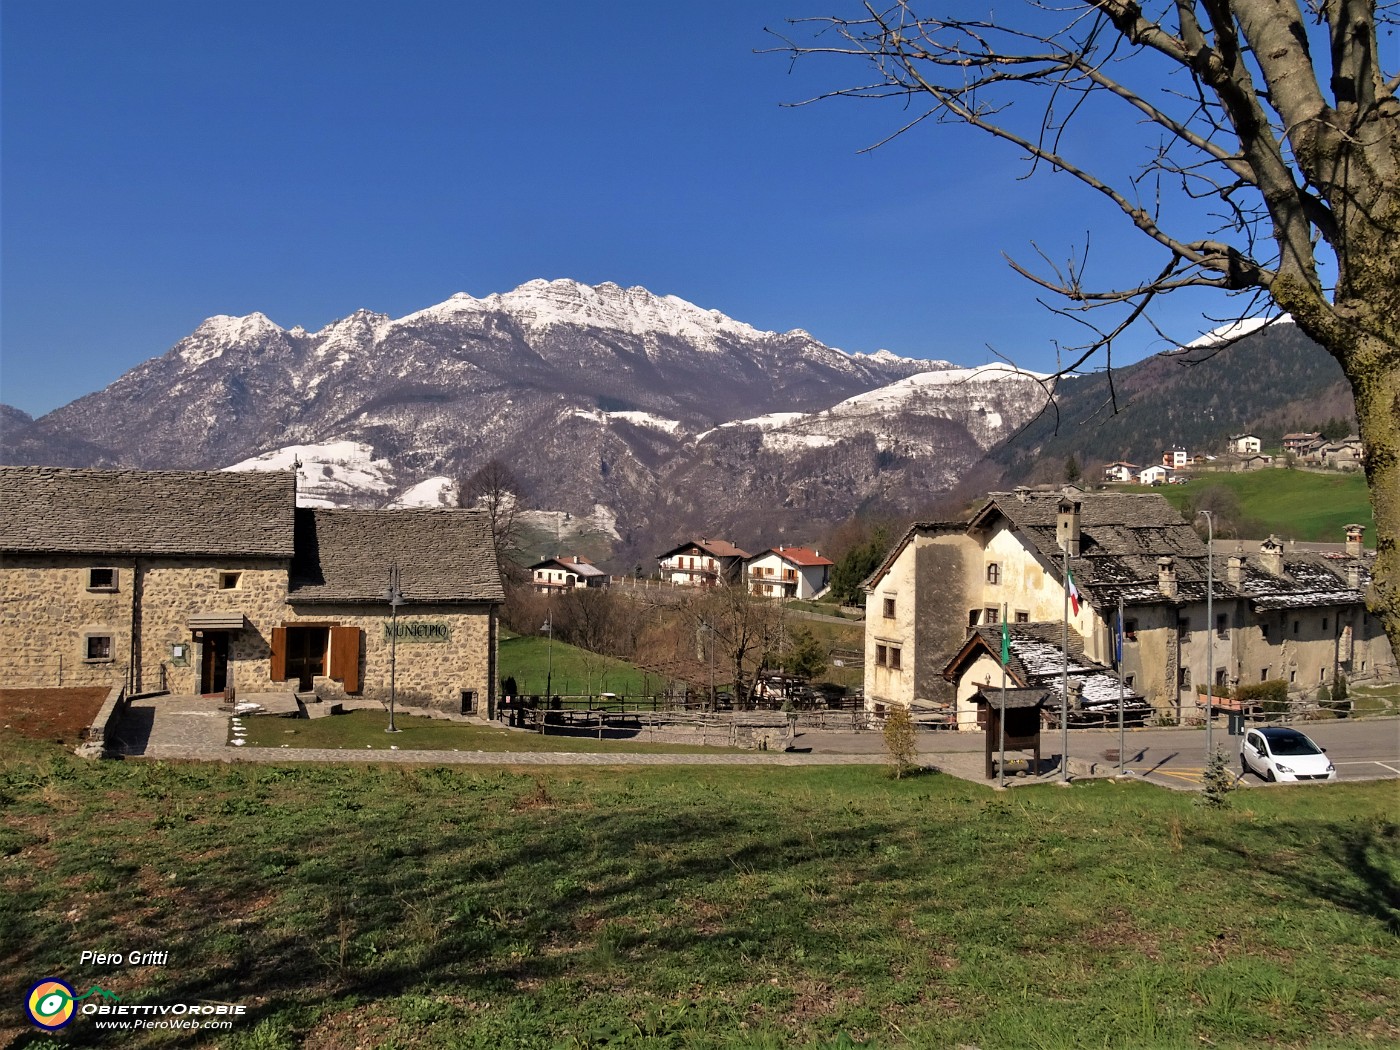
(1210, 628)
(394, 596)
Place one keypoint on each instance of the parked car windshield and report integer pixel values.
(1291, 742)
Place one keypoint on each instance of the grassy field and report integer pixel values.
(1292, 504)
(576, 672)
(697, 907)
(359, 730)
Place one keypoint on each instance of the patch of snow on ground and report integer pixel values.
(646, 419)
(1236, 330)
(332, 474)
(436, 491)
(780, 441)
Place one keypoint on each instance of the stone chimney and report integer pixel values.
(1354, 534)
(1271, 556)
(1354, 575)
(1166, 576)
(1234, 570)
(1076, 694)
(1067, 525)
(1022, 493)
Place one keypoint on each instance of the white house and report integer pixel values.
(788, 572)
(566, 573)
(1176, 457)
(1245, 445)
(1121, 471)
(702, 562)
(1154, 475)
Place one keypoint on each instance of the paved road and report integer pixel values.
(190, 727)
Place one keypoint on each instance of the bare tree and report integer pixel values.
(496, 490)
(744, 629)
(1271, 171)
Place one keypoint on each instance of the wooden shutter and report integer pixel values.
(345, 657)
(279, 655)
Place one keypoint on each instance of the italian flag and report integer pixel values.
(1073, 592)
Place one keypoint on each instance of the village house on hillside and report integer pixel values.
(1295, 617)
(571, 572)
(788, 572)
(1245, 444)
(702, 562)
(1121, 471)
(209, 581)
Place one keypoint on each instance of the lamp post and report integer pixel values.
(394, 596)
(548, 628)
(1210, 627)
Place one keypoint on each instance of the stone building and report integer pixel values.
(204, 581)
(1278, 615)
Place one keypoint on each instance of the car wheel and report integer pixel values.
(1269, 774)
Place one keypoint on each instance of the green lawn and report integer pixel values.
(697, 907)
(361, 730)
(1293, 504)
(575, 672)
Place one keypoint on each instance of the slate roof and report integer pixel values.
(1038, 662)
(444, 555)
(63, 510)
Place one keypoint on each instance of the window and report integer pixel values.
(1324, 623)
(1128, 681)
(1222, 625)
(1363, 665)
(882, 656)
(992, 615)
(1183, 678)
(102, 579)
(1264, 675)
(1293, 676)
(230, 581)
(974, 616)
(1022, 616)
(97, 648)
(1322, 674)
(1183, 629)
(1219, 677)
(1130, 630)
(889, 608)
(894, 658)
(1264, 631)
(994, 572)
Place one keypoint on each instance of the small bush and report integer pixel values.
(1271, 697)
(901, 742)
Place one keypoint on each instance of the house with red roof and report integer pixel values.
(788, 572)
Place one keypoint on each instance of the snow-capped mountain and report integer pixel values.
(652, 412)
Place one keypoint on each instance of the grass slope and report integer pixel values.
(1292, 504)
(570, 671)
(698, 908)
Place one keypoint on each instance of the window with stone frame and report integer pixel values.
(97, 648)
(894, 658)
(102, 579)
(889, 608)
(994, 573)
(881, 656)
(230, 581)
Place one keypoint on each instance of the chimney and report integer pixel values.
(1076, 694)
(1166, 576)
(1354, 575)
(1354, 534)
(1067, 526)
(1022, 493)
(1234, 570)
(1271, 556)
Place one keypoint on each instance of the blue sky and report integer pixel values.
(164, 161)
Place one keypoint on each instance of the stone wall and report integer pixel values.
(47, 611)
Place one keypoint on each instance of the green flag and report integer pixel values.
(1005, 644)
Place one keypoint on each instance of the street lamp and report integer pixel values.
(548, 628)
(1210, 626)
(394, 596)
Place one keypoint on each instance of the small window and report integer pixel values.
(889, 608)
(1222, 625)
(1183, 629)
(1219, 677)
(1292, 677)
(974, 617)
(1264, 631)
(992, 615)
(881, 656)
(1324, 623)
(1322, 674)
(994, 573)
(1183, 678)
(1022, 616)
(1130, 630)
(894, 658)
(1128, 680)
(102, 579)
(1363, 665)
(230, 581)
(1264, 675)
(97, 648)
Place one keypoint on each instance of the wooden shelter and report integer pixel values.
(1022, 721)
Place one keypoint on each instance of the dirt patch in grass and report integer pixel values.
(59, 715)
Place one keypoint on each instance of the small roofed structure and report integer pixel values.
(1022, 717)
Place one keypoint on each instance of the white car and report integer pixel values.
(1280, 753)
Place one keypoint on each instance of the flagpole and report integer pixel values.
(1119, 647)
(1001, 722)
(1064, 687)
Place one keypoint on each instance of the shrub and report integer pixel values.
(901, 743)
(1271, 697)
